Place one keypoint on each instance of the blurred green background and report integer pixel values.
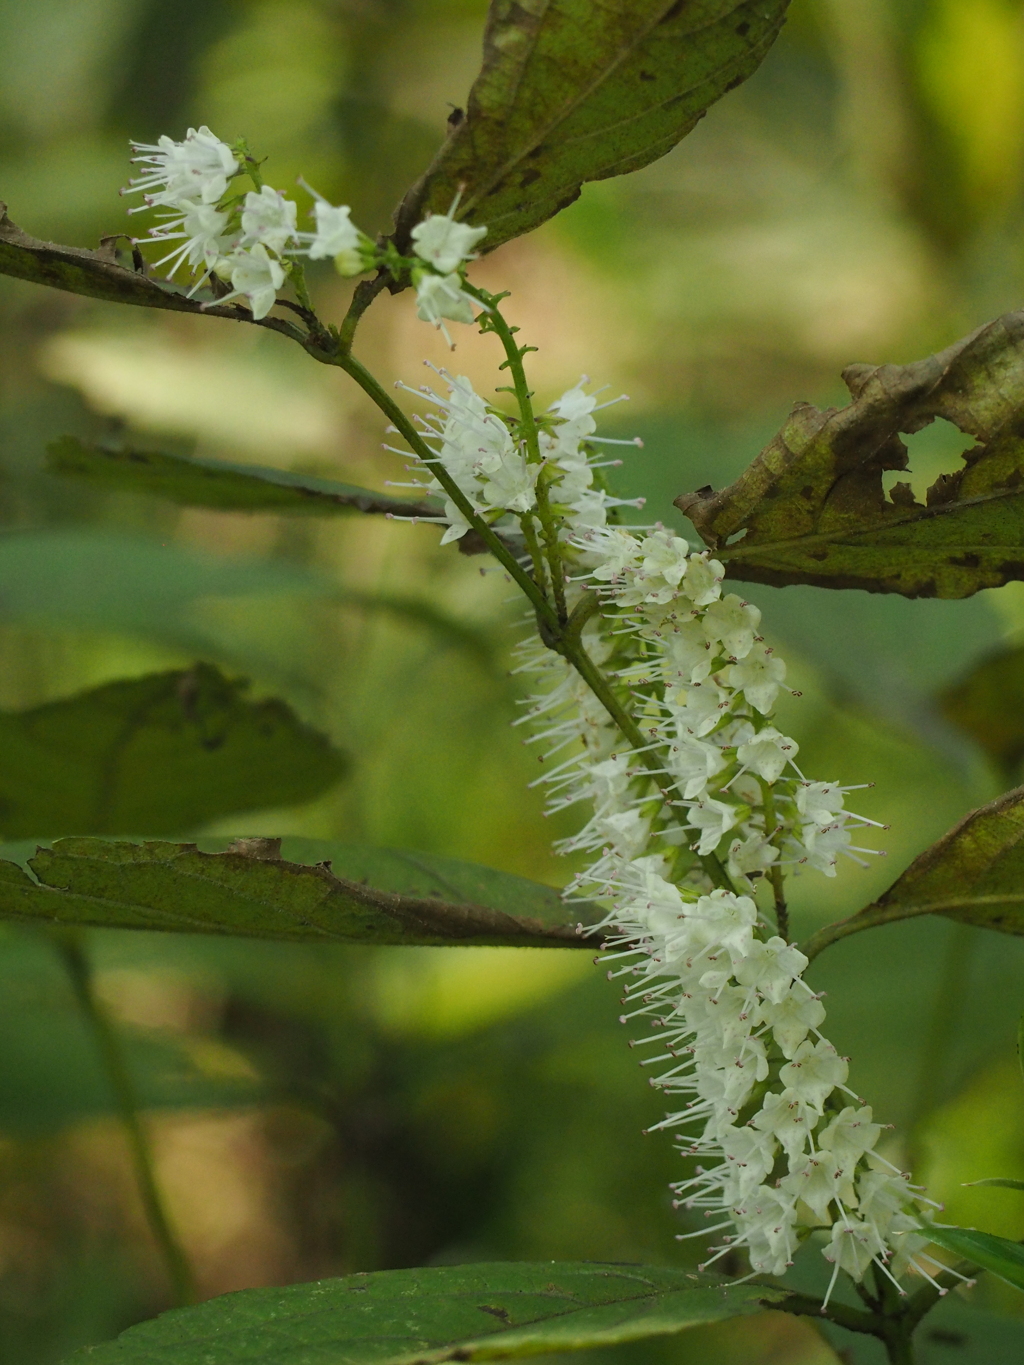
(320, 1112)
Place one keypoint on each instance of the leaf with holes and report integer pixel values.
(156, 754)
(974, 874)
(361, 895)
(571, 91)
(434, 1314)
(812, 508)
(215, 483)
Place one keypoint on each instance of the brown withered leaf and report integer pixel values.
(812, 507)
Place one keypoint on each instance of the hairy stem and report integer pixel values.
(179, 1272)
(347, 362)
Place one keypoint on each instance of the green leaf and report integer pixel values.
(99, 275)
(51, 1074)
(997, 1254)
(214, 483)
(988, 705)
(571, 91)
(996, 1180)
(363, 895)
(89, 579)
(812, 508)
(160, 753)
(974, 874)
(421, 1317)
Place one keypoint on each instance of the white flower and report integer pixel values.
(268, 218)
(816, 1181)
(693, 762)
(611, 552)
(819, 802)
(255, 275)
(196, 170)
(704, 706)
(790, 1019)
(664, 559)
(771, 968)
(336, 238)
(850, 1134)
(512, 484)
(814, 1072)
(703, 579)
(714, 819)
(457, 523)
(787, 1117)
(627, 832)
(734, 622)
(730, 919)
(205, 242)
(752, 854)
(688, 657)
(750, 1155)
(820, 846)
(767, 753)
(767, 1222)
(758, 676)
(445, 243)
(439, 297)
(854, 1245)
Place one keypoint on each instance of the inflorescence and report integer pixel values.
(252, 239)
(688, 826)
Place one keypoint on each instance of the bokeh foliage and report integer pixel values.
(854, 202)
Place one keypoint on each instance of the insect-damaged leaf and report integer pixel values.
(435, 1314)
(158, 754)
(571, 91)
(811, 508)
(974, 873)
(215, 483)
(363, 895)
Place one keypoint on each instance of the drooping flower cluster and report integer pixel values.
(252, 239)
(687, 829)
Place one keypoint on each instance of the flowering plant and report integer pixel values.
(653, 709)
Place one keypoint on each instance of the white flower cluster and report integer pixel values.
(250, 239)
(713, 796)
(475, 444)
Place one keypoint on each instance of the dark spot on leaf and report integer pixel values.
(494, 1312)
(528, 177)
(807, 492)
(742, 29)
(944, 1336)
(456, 117)
(968, 561)
(736, 80)
(674, 12)
(648, 76)
(212, 742)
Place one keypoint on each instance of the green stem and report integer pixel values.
(558, 633)
(70, 946)
(494, 321)
(352, 367)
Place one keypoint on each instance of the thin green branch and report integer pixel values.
(71, 948)
(771, 829)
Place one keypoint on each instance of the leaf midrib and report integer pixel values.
(568, 109)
